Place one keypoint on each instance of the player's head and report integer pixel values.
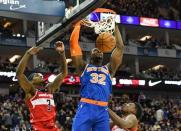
(96, 56)
(36, 78)
(133, 108)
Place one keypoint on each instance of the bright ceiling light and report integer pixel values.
(18, 35)
(14, 58)
(158, 67)
(144, 38)
(7, 24)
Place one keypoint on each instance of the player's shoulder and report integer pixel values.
(131, 117)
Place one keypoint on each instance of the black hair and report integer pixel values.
(43, 88)
(30, 77)
(139, 111)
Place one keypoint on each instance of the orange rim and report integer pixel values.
(104, 10)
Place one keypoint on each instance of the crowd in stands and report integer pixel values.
(13, 117)
(162, 73)
(124, 72)
(44, 67)
(5, 65)
(5, 28)
(167, 9)
(159, 113)
(88, 35)
(153, 43)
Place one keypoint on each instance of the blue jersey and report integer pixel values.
(96, 83)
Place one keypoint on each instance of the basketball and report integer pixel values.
(105, 42)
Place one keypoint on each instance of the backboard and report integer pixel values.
(78, 13)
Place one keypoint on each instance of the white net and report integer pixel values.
(104, 25)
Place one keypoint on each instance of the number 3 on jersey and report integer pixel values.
(49, 105)
(98, 78)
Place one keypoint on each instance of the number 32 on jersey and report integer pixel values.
(98, 78)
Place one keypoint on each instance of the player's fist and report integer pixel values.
(34, 50)
(59, 46)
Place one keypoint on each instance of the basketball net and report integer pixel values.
(105, 25)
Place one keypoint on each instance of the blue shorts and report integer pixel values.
(91, 118)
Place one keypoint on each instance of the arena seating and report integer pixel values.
(168, 9)
(13, 116)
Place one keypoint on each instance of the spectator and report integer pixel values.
(159, 115)
(168, 9)
(7, 118)
(66, 108)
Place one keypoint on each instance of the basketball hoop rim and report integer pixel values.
(102, 25)
(104, 10)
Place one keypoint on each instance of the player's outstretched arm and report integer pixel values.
(117, 54)
(59, 46)
(129, 122)
(23, 81)
(75, 50)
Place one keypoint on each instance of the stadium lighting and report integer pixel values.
(144, 38)
(14, 58)
(7, 24)
(158, 67)
(18, 35)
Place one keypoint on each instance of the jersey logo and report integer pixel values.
(98, 78)
(44, 101)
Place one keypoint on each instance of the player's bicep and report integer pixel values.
(25, 84)
(130, 121)
(79, 64)
(115, 61)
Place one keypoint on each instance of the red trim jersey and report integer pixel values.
(42, 111)
(116, 128)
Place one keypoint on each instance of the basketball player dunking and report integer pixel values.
(96, 84)
(129, 122)
(39, 97)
